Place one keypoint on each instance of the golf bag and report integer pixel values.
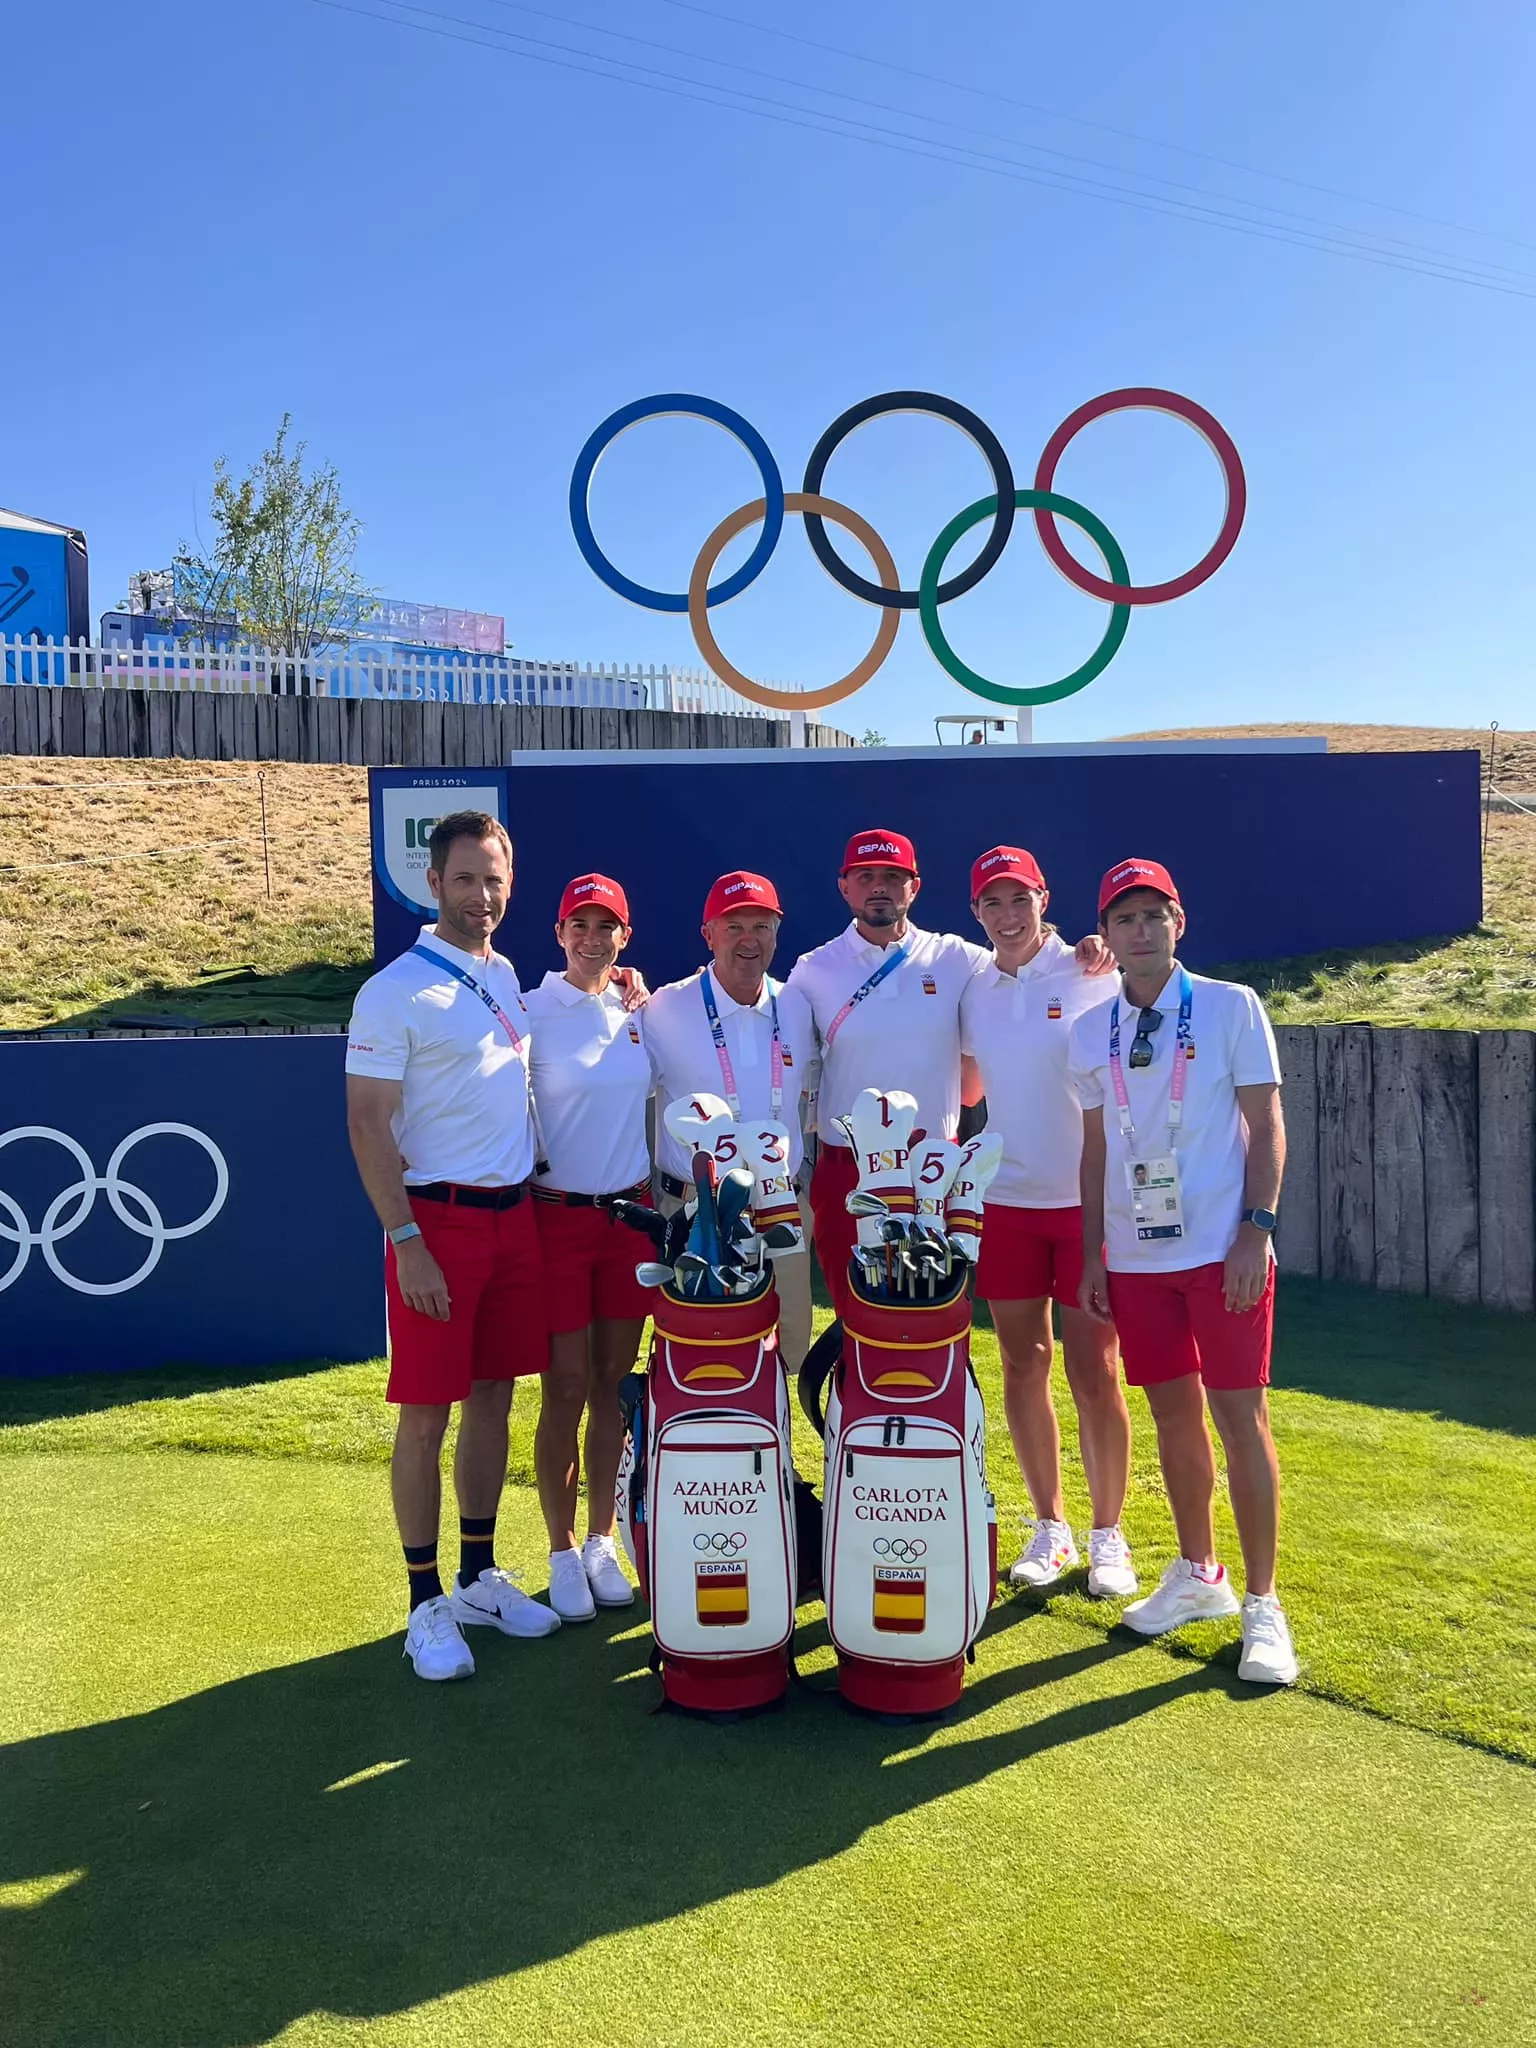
(706, 1502)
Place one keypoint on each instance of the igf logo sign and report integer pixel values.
(407, 817)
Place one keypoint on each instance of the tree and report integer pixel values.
(873, 739)
(282, 567)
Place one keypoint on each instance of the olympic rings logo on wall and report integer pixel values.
(905, 1549)
(1046, 504)
(724, 1543)
(123, 1196)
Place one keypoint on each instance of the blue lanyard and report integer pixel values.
(888, 965)
(722, 1050)
(1180, 1060)
(469, 982)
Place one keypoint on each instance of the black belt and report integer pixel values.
(640, 1189)
(671, 1185)
(470, 1198)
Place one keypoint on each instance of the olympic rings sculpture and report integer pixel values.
(122, 1195)
(905, 1549)
(724, 1543)
(888, 594)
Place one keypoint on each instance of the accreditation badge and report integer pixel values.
(1157, 1201)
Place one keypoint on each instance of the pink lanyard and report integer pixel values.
(723, 1051)
(1180, 1063)
(888, 965)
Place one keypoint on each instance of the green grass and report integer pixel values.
(229, 1815)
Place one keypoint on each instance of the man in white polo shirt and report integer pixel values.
(1016, 1016)
(731, 1031)
(439, 1117)
(1183, 1151)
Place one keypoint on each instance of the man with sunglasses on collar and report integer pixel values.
(1183, 1151)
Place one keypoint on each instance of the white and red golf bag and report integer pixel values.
(706, 1501)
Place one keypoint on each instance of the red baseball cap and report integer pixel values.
(741, 890)
(1136, 874)
(598, 889)
(1010, 863)
(878, 848)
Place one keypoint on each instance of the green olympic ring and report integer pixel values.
(933, 569)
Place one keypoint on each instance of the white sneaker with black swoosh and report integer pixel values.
(433, 1642)
(496, 1600)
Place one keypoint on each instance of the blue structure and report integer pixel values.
(1279, 850)
(44, 580)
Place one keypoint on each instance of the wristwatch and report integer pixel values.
(1261, 1219)
(403, 1233)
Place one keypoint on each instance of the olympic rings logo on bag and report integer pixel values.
(724, 1543)
(905, 1549)
(1046, 504)
(124, 1197)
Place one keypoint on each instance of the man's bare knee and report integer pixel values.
(420, 1427)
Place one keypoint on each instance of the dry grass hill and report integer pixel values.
(131, 891)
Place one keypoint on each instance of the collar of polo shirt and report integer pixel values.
(566, 992)
(1168, 1000)
(725, 1002)
(1046, 957)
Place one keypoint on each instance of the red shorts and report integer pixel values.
(589, 1267)
(1171, 1324)
(834, 1179)
(1027, 1254)
(496, 1328)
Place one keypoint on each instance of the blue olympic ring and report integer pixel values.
(659, 408)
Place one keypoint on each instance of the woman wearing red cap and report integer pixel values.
(591, 1076)
(1016, 1018)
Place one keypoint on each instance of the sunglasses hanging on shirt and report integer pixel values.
(1141, 1045)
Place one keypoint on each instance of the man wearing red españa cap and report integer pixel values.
(730, 1030)
(591, 1080)
(886, 999)
(1183, 1151)
(1016, 1016)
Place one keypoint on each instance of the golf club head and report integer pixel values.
(733, 1203)
(652, 1273)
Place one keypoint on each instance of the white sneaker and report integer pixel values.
(1269, 1655)
(1180, 1597)
(1111, 1575)
(1049, 1553)
(496, 1600)
(433, 1643)
(569, 1594)
(600, 1562)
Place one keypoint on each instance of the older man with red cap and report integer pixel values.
(591, 1079)
(1180, 1182)
(730, 1030)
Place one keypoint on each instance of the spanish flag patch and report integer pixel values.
(901, 1599)
(930, 986)
(720, 1594)
(1053, 1008)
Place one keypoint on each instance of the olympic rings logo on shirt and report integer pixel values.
(1046, 504)
(123, 1196)
(724, 1543)
(905, 1549)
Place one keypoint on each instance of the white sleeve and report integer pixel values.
(967, 1049)
(1083, 1069)
(379, 1036)
(1252, 1047)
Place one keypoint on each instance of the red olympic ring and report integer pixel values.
(1147, 398)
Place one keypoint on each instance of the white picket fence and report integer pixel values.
(480, 679)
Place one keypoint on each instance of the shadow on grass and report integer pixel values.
(1466, 1364)
(1312, 972)
(233, 1880)
(48, 1397)
(314, 992)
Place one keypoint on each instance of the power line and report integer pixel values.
(1367, 237)
(730, 98)
(1083, 121)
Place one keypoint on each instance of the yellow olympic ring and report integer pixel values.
(703, 632)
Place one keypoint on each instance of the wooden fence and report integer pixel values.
(205, 725)
(1412, 1160)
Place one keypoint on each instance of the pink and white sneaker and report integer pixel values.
(1049, 1553)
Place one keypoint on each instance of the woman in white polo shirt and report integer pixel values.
(591, 1077)
(1016, 1018)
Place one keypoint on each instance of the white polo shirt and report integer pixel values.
(463, 1114)
(591, 1080)
(685, 1062)
(1016, 1028)
(1233, 1048)
(904, 1035)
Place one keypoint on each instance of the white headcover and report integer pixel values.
(879, 1129)
(980, 1158)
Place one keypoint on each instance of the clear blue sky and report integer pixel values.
(450, 261)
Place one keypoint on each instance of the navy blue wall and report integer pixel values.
(1275, 854)
(290, 1266)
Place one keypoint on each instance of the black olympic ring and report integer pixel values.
(942, 408)
(724, 1543)
(905, 1550)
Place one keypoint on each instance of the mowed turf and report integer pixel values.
(228, 1813)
